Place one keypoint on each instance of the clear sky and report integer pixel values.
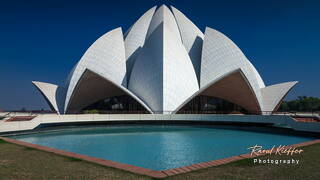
(42, 40)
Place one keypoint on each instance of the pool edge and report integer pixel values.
(146, 171)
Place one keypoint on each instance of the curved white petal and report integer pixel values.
(106, 57)
(257, 75)
(273, 95)
(158, 18)
(53, 94)
(163, 75)
(192, 38)
(220, 56)
(135, 38)
(233, 87)
(92, 88)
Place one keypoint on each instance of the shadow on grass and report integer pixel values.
(243, 162)
(29, 149)
(2, 141)
(74, 159)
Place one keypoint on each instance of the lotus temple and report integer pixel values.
(161, 99)
(164, 64)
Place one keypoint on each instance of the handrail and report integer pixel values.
(290, 113)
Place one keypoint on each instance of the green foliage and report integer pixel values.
(303, 103)
(92, 111)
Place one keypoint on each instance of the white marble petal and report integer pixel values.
(192, 38)
(135, 37)
(106, 57)
(163, 75)
(273, 95)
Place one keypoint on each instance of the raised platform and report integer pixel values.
(53, 119)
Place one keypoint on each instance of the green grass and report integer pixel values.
(17, 162)
(308, 168)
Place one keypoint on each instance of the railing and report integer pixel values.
(289, 113)
(27, 113)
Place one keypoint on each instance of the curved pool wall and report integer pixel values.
(159, 147)
(50, 119)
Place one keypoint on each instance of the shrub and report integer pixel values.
(92, 111)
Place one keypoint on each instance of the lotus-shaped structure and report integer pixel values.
(163, 61)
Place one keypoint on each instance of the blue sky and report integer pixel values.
(42, 40)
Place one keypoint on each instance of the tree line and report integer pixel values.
(303, 103)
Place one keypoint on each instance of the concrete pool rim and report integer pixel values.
(246, 126)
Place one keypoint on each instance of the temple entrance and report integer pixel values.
(211, 105)
(116, 105)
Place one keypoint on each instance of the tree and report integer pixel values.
(302, 103)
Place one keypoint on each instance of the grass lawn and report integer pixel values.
(308, 168)
(17, 162)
